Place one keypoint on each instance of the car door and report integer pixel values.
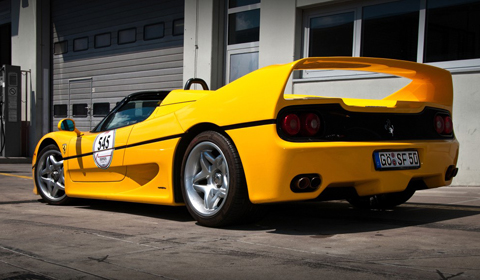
(99, 156)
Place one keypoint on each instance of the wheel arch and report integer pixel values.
(51, 194)
(45, 142)
(180, 151)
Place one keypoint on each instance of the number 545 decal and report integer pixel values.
(103, 149)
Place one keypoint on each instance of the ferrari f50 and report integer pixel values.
(226, 152)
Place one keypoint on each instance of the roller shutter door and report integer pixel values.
(105, 50)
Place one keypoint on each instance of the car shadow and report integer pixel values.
(179, 214)
(318, 219)
(325, 219)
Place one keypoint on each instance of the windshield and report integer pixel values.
(133, 109)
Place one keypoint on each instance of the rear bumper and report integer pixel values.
(271, 163)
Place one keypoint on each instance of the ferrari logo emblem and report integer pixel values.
(64, 146)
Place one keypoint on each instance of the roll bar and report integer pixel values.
(199, 81)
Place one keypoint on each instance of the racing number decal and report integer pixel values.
(103, 149)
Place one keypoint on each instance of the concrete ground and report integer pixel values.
(436, 235)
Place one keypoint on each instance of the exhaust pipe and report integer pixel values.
(315, 182)
(305, 183)
(451, 172)
(302, 183)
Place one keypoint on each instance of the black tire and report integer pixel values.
(382, 201)
(49, 176)
(213, 182)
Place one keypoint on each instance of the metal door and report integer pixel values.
(80, 102)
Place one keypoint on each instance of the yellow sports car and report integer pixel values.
(224, 153)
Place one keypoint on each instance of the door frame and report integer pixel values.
(89, 100)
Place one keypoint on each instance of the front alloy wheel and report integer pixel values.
(49, 176)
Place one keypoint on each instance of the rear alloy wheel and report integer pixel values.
(49, 176)
(213, 182)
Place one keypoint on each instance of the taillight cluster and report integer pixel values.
(443, 124)
(304, 124)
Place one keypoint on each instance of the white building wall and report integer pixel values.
(26, 48)
(364, 88)
(277, 32)
(197, 40)
(203, 41)
(466, 121)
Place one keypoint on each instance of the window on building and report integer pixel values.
(178, 27)
(103, 40)
(441, 32)
(127, 36)
(390, 30)
(452, 30)
(80, 44)
(60, 110)
(101, 109)
(243, 63)
(244, 27)
(154, 31)
(60, 47)
(80, 110)
(331, 35)
(242, 37)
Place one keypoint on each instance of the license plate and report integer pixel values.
(396, 160)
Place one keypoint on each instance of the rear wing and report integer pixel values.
(260, 94)
(429, 84)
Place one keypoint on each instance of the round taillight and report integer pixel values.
(310, 124)
(448, 129)
(439, 124)
(291, 124)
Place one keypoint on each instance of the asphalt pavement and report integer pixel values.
(436, 235)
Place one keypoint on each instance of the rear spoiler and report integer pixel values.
(429, 84)
(261, 93)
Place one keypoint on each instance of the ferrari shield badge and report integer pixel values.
(389, 127)
(103, 149)
(64, 147)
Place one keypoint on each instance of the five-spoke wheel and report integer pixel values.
(213, 182)
(49, 175)
(206, 178)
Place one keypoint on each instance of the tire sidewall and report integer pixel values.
(231, 156)
(39, 190)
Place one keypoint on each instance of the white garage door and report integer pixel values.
(104, 50)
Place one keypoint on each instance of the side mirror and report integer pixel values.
(68, 125)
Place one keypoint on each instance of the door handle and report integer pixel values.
(89, 110)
